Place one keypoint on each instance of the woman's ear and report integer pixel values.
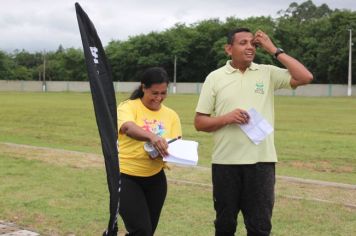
(143, 88)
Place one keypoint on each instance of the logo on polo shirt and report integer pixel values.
(259, 88)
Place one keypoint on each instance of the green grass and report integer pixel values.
(315, 138)
(53, 200)
(61, 120)
(59, 200)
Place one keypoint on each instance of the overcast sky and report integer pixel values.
(37, 25)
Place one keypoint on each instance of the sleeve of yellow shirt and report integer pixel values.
(207, 97)
(126, 113)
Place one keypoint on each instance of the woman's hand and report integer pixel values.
(134, 131)
(160, 144)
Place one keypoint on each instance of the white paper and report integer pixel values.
(257, 128)
(182, 152)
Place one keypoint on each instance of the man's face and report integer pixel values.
(243, 49)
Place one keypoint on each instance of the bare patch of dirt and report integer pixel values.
(320, 166)
(294, 188)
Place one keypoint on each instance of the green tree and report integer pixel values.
(22, 73)
(200, 56)
(317, 36)
(74, 65)
(28, 60)
(305, 11)
(6, 65)
(65, 65)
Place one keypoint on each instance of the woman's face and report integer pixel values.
(154, 96)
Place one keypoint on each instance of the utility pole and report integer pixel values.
(349, 85)
(44, 72)
(175, 75)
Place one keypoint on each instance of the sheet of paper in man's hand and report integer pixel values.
(257, 128)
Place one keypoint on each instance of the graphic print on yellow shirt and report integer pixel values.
(154, 126)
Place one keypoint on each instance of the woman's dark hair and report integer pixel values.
(153, 75)
(231, 34)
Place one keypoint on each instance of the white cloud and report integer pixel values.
(44, 24)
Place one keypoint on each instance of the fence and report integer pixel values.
(318, 90)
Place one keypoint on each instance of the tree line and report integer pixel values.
(316, 35)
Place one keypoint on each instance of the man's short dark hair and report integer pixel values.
(231, 34)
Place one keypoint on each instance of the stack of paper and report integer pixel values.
(182, 152)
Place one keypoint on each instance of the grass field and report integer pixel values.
(62, 193)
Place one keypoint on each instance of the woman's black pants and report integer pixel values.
(141, 202)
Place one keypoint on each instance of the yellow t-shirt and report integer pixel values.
(226, 89)
(164, 122)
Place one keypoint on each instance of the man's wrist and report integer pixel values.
(278, 52)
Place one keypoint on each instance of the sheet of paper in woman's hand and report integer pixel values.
(182, 152)
(257, 128)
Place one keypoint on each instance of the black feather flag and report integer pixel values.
(103, 95)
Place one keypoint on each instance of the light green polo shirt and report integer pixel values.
(226, 89)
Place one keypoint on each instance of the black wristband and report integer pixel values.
(278, 51)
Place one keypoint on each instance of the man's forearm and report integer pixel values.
(208, 124)
(300, 74)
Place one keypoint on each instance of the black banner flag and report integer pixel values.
(103, 95)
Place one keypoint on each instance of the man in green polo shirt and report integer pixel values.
(243, 173)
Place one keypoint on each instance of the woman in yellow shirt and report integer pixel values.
(143, 118)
